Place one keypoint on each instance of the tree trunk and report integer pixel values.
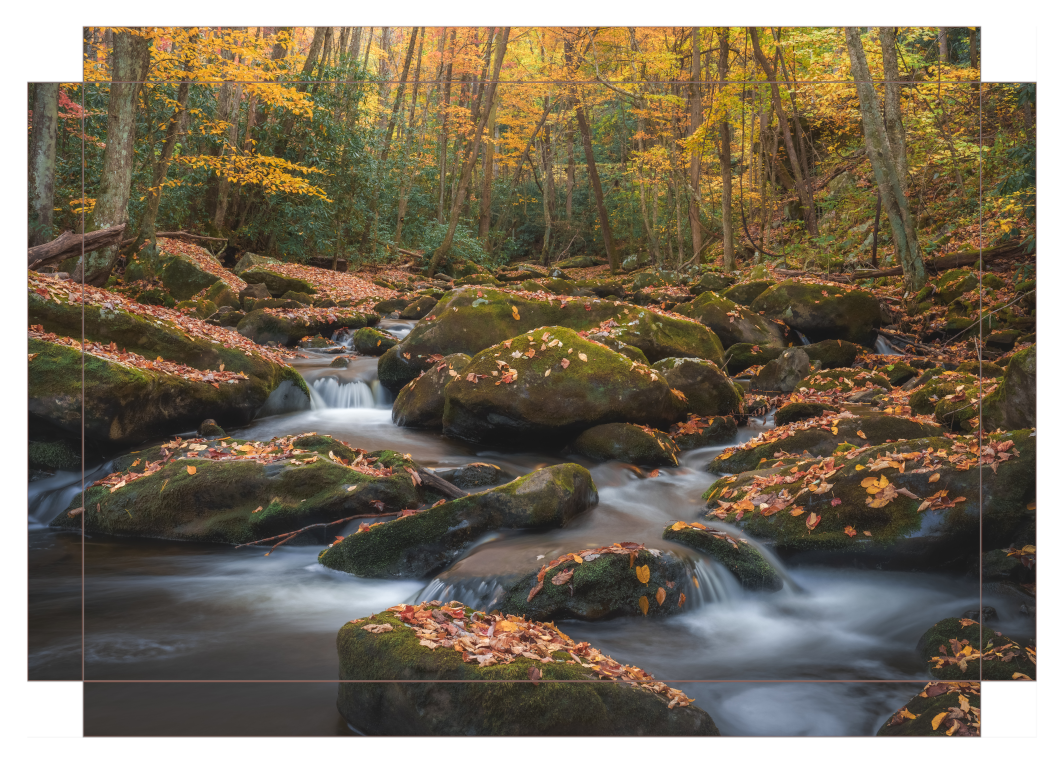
(42, 161)
(725, 161)
(470, 157)
(892, 105)
(447, 77)
(943, 45)
(548, 191)
(694, 122)
(879, 153)
(570, 173)
(484, 228)
(596, 187)
(805, 194)
(132, 56)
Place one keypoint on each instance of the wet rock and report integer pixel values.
(627, 443)
(937, 701)
(430, 540)
(495, 708)
(340, 362)
(1013, 404)
(711, 283)
(707, 390)
(700, 432)
(276, 283)
(988, 614)
(731, 322)
(210, 429)
(372, 342)
(316, 342)
(386, 307)
(942, 647)
(736, 554)
(264, 326)
(898, 372)
(469, 320)
(556, 385)
(783, 373)
(420, 403)
(800, 410)
(745, 293)
(816, 438)
(240, 501)
(183, 277)
(603, 586)
(742, 356)
(823, 312)
(832, 354)
(419, 309)
(475, 475)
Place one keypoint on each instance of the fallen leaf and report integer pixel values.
(1019, 676)
(867, 533)
(683, 599)
(934, 477)
(534, 674)
(849, 531)
(565, 363)
(938, 720)
(582, 356)
(644, 604)
(376, 629)
(517, 316)
(812, 521)
(563, 576)
(836, 502)
(660, 597)
(257, 509)
(191, 469)
(535, 591)
(643, 574)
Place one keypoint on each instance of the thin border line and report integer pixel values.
(556, 81)
(980, 349)
(923, 681)
(84, 112)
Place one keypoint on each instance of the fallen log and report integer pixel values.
(68, 244)
(946, 262)
(439, 485)
(181, 236)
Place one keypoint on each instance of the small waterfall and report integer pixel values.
(884, 348)
(331, 393)
(803, 338)
(475, 593)
(789, 585)
(50, 496)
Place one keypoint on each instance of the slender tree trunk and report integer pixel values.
(132, 56)
(447, 77)
(943, 45)
(484, 227)
(548, 191)
(471, 156)
(596, 187)
(406, 181)
(570, 173)
(892, 105)
(42, 161)
(695, 122)
(890, 189)
(805, 194)
(725, 160)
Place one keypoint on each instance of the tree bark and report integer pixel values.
(892, 105)
(132, 56)
(725, 161)
(548, 191)
(805, 194)
(570, 172)
(69, 245)
(484, 228)
(694, 122)
(470, 157)
(447, 77)
(890, 189)
(943, 45)
(42, 161)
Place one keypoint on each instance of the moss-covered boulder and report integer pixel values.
(940, 709)
(277, 284)
(605, 582)
(250, 260)
(796, 411)
(742, 356)
(745, 293)
(898, 372)
(622, 348)
(298, 297)
(603, 288)
(1013, 404)
(706, 390)
(419, 309)
(316, 343)
(428, 541)
(845, 380)
(551, 384)
(636, 444)
(783, 374)
(56, 453)
(823, 312)
(742, 559)
(340, 362)
(578, 261)
(187, 492)
(471, 319)
(182, 276)
(221, 294)
(700, 432)
(477, 279)
(210, 429)
(475, 475)
(288, 327)
(819, 437)
(711, 283)
(420, 402)
(832, 354)
(985, 369)
(497, 697)
(731, 322)
(955, 648)
(828, 511)
(372, 342)
(201, 309)
(386, 307)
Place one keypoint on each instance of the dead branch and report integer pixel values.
(68, 244)
(290, 534)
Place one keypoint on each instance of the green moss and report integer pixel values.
(731, 322)
(926, 708)
(707, 390)
(845, 380)
(823, 312)
(627, 443)
(800, 410)
(263, 327)
(372, 342)
(982, 639)
(740, 557)
(277, 284)
(59, 454)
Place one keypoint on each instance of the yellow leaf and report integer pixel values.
(578, 559)
(505, 626)
(868, 481)
(516, 314)
(907, 714)
(934, 478)
(644, 604)
(191, 469)
(834, 431)
(938, 720)
(660, 597)
(1019, 676)
(643, 573)
(582, 356)
(796, 511)
(858, 467)
(862, 435)
(679, 525)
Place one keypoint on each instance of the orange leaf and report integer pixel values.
(683, 599)
(191, 469)
(849, 531)
(660, 597)
(812, 521)
(643, 573)
(644, 604)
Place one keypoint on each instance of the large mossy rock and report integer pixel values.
(221, 294)
(496, 699)
(420, 402)
(604, 585)
(700, 432)
(899, 535)
(240, 501)
(934, 710)
(737, 555)
(288, 327)
(420, 308)
(627, 443)
(276, 283)
(711, 283)
(372, 342)
(731, 322)
(553, 384)
(783, 374)
(578, 261)
(819, 438)
(832, 354)
(471, 319)
(796, 411)
(183, 277)
(250, 260)
(742, 356)
(745, 293)
(943, 648)
(823, 312)
(428, 541)
(707, 390)
(1013, 404)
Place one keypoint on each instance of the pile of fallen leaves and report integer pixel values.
(111, 353)
(66, 291)
(489, 639)
(201, 258)
(960, 652)
(277, 449)
(962, 720)
(308, 314)
(716, 533)
(332, 284)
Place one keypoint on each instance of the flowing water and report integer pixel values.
(169, 611)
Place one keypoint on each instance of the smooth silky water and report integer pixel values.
(159, 610)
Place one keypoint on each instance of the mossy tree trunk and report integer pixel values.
(891, 191)
(892, 105)
(42, 160)
(725, 162)
(694, 122)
